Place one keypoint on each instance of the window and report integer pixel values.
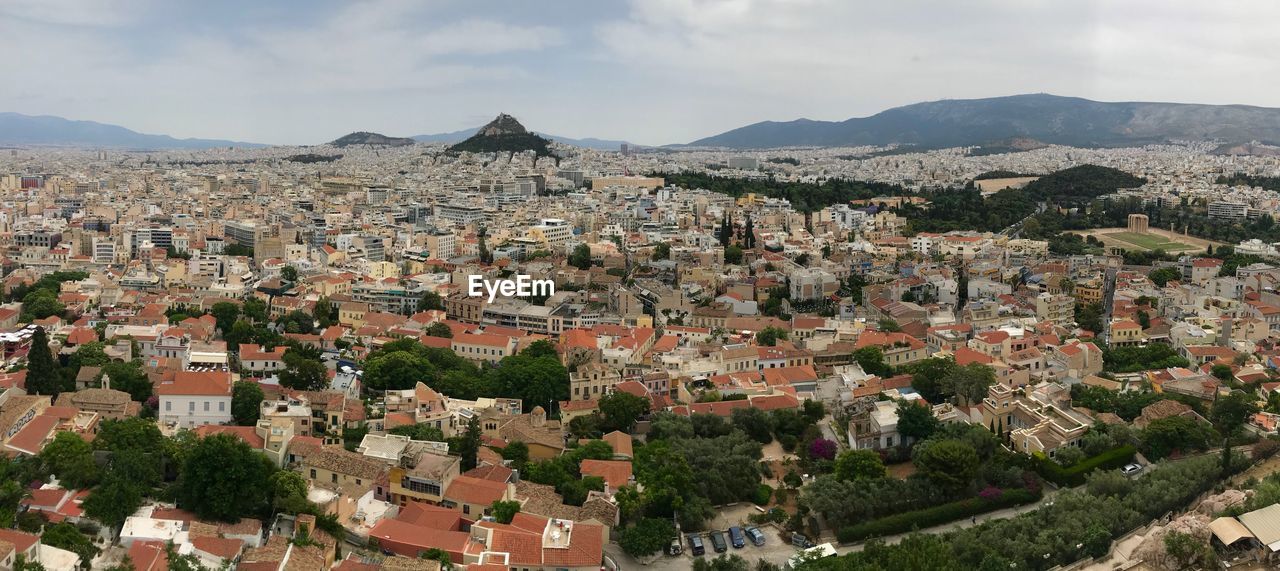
(333, 477)
(466, 509)
(168, 405)
(191, 406)
(222, 406)
(206, 406)
(313, 473)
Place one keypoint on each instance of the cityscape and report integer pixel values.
(1012, 325)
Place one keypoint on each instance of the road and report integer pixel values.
(1016, 227)
(1108, 300)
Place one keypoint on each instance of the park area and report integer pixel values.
(1153, 239)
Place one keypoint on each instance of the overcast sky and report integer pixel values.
(648, 71)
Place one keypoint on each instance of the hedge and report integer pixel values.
(1074, 476)
(937, 515)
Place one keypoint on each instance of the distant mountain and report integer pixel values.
(1043, 118)
(587, 143)
(372, 139)
(503, 134)
(19, 129)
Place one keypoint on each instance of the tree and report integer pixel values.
(420, 431)
(246, 402)
(1162, 276)
(517, 453)
(858, 465)
(753, 422)
(486, 256)
(621, 410)
(534, 380)
(469, 447)
(769, 336)
(504, 511)
(91, 354)
(43, 375)
(871, 359)
(585, 426)
(303, 374)
(398, 370)
(70, 458)
(1229, 415)
(40, 304)
(949, 464)
(823, 449)
(431, 301)
(888, 326)
(289, 274)
(580, 257)
(255, 309)
(225, 313)
(1163, 436)
(130, 378)
(539, 349)
(661, 252)
(646, 537)
(916, 421)
(241, 332)
(224, 479)
(65, 536)
(725, 562)
(439, 330)
(969, 382)
(323, 312)
(1222, 372)
(113, 501)
(1069, 455)
(733, 255)
(298, 322)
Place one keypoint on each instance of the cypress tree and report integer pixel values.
(43, 377)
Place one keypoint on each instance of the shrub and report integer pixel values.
(937, 515)
(763, 493)
(1074, 476)
(1265, 449)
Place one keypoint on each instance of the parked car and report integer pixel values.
(717, 541)
(1131, 469)
(675, 548)
(736, 537)
(757, 537)
(695, 545)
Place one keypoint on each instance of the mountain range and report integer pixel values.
(19, 129)
(1045, 118)
(996, 124)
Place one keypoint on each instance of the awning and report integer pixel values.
(1229, 530)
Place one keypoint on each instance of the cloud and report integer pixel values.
(651, 71)
(264, 73)
(741, 61)
(98, 13)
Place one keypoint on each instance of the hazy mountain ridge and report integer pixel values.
(19, 129)
(1049, 119)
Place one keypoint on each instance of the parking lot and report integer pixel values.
(774, 550)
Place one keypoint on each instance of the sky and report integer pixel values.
(647, 71)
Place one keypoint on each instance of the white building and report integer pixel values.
(193, 398)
